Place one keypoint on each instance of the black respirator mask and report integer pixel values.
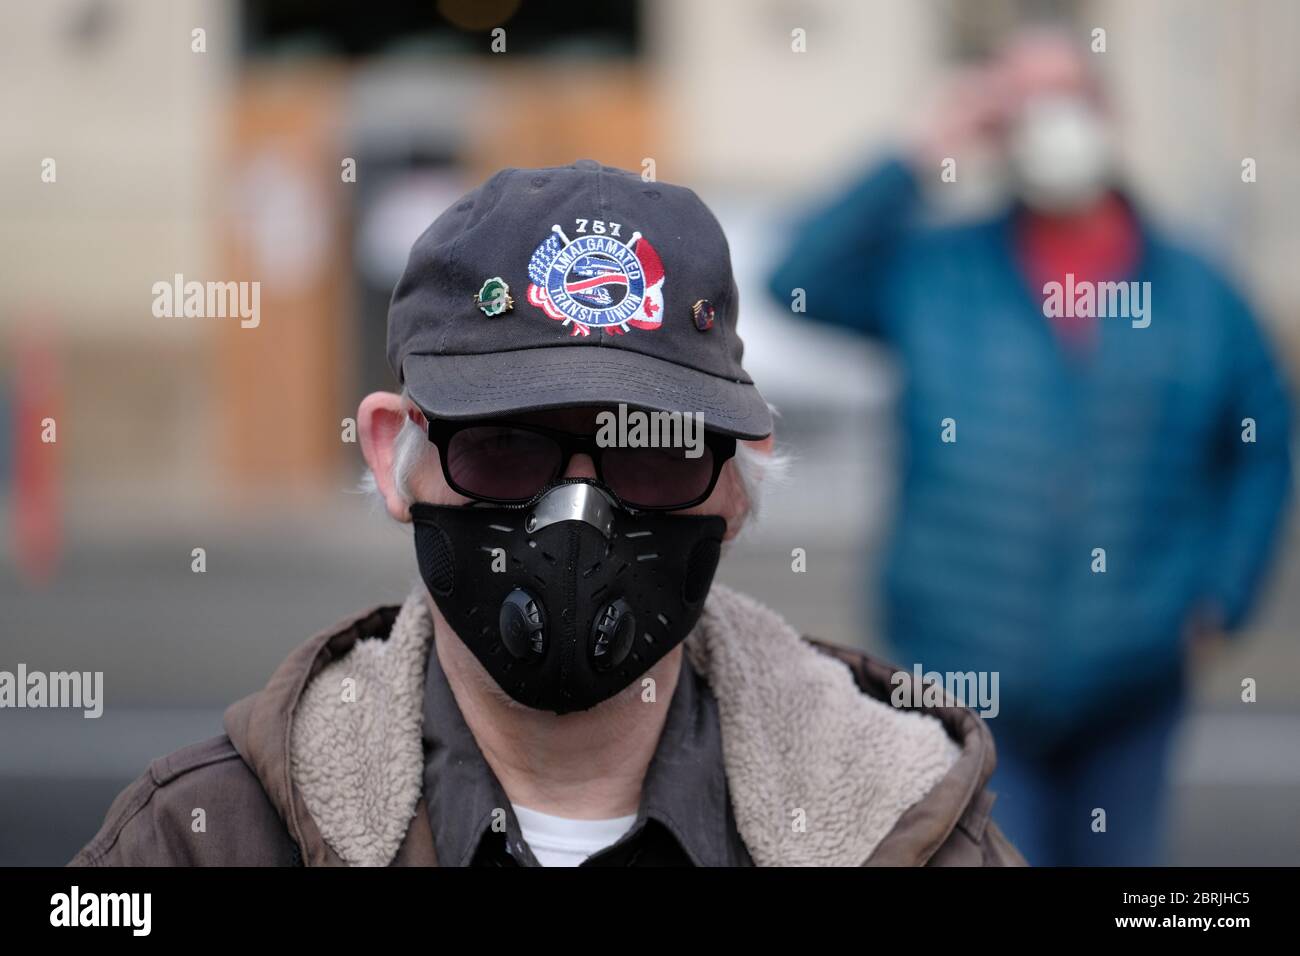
(567, 599)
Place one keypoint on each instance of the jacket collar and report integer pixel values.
(260, 724)
(684, 790)
(823, 770)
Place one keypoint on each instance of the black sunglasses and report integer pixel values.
(505, 462)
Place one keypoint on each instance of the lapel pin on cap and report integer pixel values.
(703, 314)
(494, 298)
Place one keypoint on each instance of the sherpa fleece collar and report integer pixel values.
(822, 771)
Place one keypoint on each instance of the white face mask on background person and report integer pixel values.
(1060, 154)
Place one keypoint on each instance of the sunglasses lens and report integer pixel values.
(497, 461)
(657, 477)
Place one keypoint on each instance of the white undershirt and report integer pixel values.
(560, 841)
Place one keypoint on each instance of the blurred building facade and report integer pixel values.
(225, 164)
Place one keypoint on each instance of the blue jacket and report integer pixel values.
(1135, 449)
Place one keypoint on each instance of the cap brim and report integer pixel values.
(498, 383)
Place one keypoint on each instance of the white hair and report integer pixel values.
(758, 470)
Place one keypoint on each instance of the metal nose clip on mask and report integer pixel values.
(570, 598)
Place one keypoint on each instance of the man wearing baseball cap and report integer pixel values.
(566, 685)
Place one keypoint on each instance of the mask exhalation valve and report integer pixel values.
(612, 635)
(523, 625)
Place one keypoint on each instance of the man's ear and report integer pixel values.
(379, 419)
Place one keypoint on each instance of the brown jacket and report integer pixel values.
(323, 767)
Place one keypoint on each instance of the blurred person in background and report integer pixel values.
(566, 685)
(1085, 502)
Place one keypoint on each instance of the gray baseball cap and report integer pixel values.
(573, 285)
